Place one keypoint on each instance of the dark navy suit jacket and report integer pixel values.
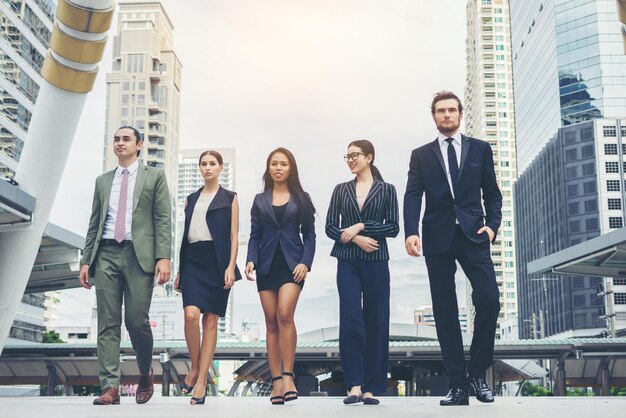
(427, 175)
(296, 238)
(218, 219)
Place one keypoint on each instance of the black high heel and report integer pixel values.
(198, 401)
(291, 395)
(185, 388)
(278, 399)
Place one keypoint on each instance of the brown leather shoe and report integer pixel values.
(109, 396)
(145, 389)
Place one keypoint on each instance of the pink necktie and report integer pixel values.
(120, 222)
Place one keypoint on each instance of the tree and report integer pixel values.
(51, 337)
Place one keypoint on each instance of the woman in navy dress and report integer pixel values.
(362, 214)
(207, 268)
(281, 249)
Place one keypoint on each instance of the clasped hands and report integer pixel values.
(351, 234)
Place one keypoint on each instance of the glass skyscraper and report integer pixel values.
(569, 66)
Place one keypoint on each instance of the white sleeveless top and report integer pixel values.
(198, 229)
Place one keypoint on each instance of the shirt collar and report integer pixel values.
(131, 168)
(456, 138)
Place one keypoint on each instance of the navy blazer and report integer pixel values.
(218, 219)
(296, 238)
(379, 214)
(427, 174)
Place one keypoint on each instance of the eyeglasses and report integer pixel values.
(352, 157)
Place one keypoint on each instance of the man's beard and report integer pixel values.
(447, 129)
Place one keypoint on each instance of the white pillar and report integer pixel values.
(69, 70)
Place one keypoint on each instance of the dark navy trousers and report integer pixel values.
(475, 260)
(364, 323)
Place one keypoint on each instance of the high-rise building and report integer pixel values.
(489, 115)
(568, 66)
(572, 191)
(25, 29)
(143, 88)
(189, 181)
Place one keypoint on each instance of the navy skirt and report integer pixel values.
(279, 274)
(202, 282)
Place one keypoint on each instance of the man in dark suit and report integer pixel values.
(128, 245)
(453, 171)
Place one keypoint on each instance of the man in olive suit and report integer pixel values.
(128, 246)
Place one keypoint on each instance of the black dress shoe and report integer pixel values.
(456, 396)
(481, 390)
(352, 399)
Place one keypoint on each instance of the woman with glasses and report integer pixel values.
(362, 214)
(207, 268)
(281, 250)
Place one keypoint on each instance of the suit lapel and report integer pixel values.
(465, 146)
(266, 200)
(291, 209)
(439, 155)
(107, 185)
(219, 201)
(141, 179)
(352, 196)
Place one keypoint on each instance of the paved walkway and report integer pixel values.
(313, 407)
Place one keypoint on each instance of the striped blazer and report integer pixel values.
(379, 214)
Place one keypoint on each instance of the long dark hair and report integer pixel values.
(368, 148)
(303, 200)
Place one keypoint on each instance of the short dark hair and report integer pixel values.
(137, 134)
(215, 154)
(445, 95)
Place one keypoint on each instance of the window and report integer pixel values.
(612, 185)
(574, 227)
(609, 131)
(619, 298)
(591, 205)
(570, 137)
(589, 187)
(573, 208)
(619, 281)
(611, 167)
(615, 204)
(615, 222)
(591, 224)
(579, 301)
(589, 169)
(125, 86)
(588, 151)
(572, 190)
(571, 154)
(571, 172)
(610, 149)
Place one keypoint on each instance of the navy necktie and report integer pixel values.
(453, 165)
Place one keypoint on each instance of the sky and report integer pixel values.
(309, 75)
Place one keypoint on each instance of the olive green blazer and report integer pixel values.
(151, 226)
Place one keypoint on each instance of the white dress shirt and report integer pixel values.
(198, 229)
(114, 199)
(443, 145)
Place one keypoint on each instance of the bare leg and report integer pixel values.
(355, 390)
(192, 335)
(288, 295)
(209, 340)
(269, 302)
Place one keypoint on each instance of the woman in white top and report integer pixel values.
(207, 268)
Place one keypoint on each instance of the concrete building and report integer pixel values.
(572, 192)
(568, 66)
(489, 115)
(189, 181)
(424, 316)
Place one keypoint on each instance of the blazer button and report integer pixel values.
(279, 231)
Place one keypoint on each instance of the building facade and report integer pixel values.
(489, 115)
(572, 191)
(189, 181)
(25, 29)
(568, 66)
